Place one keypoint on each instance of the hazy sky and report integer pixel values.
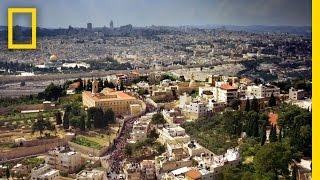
(62, 13)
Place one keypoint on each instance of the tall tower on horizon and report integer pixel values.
(111, 24)
(89, 26)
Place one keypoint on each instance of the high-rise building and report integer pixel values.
(89, 26)
(111, 24)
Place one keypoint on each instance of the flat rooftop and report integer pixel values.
(109, 95)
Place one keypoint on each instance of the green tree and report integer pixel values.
(296, 125)
(247, 107)
(280, 135)
(52, 92)
(272, 101)
(89, 122)
(181, 78)
(74, 122)
(263, 119)
(109, 84)
(105, 83)
(7, 172)
(273, 133)
(158, 119)
(109, 117)
(255, 105)
(252, 124)
(231, 173)
(89, 85)
(128, 150)
(272, 160)
(82, 123)
(100, 84)
(263, 135)
(153, 134)
(255, 128)
(234, 104)
(42, 125)
(58, 117)
(232, 122)
(98, 117)
(66, 117)
(121, 86)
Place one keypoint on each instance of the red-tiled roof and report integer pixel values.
(227, 87)
(193, 174)
(74, 85)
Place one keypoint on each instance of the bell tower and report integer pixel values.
(95, 87)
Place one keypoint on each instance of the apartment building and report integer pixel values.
(263, 91)
(197, 109)
(44, 172)
(148, 170)
(225, 93)
(140, 129)
(296, 94)
(132, 171)
(173, 116)
(173, 134)
(94, 174)
(64, 159)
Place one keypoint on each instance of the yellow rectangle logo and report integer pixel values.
(33, 12)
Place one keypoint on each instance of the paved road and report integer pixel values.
(95, 73)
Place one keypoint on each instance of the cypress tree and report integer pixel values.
(66, 118)
(255, 128)
(58, 118)
(89, 123)
(280, 135)
(272, 101)
(248, 127)
(247, 107)
(100, 84)
(7, 172)
(255, 105)
(66, 122)
(263, 135)
(82, 123)
(121, 86)
(105, 83)
(273, 133)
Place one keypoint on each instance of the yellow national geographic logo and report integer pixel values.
(33, 12)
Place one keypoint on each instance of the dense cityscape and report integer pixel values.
(157, 102)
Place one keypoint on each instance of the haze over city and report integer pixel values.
(60, 13)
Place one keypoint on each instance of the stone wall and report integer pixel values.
(41, 147)
(88, 150)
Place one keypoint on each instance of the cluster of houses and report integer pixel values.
(218, 92)
(59, 161)
(183, 159)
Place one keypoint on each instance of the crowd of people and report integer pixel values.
(116, 152)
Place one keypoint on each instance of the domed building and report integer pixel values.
(53, 58)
